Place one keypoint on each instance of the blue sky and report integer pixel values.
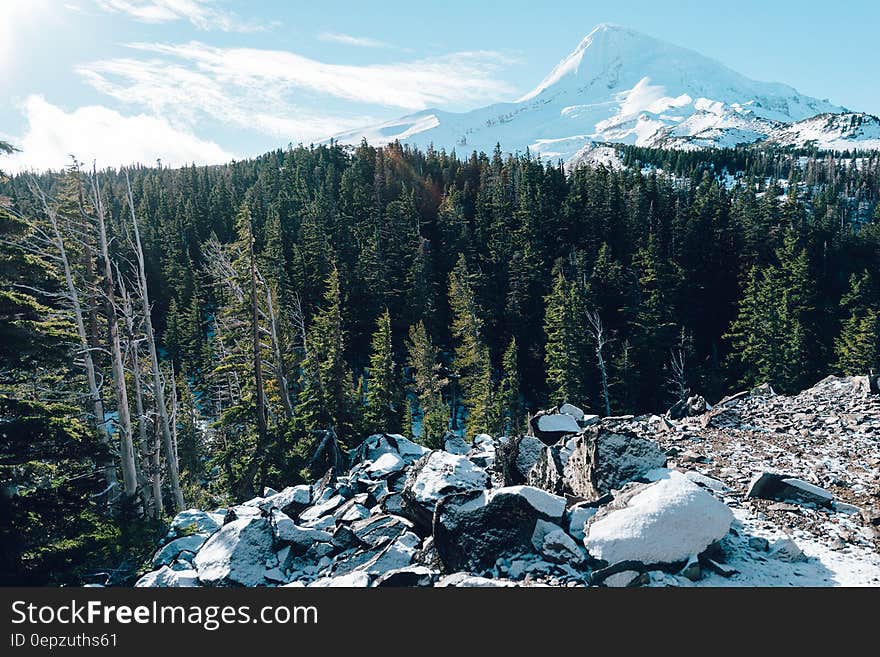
(207, 80)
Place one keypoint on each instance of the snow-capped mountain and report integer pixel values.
(622, 86)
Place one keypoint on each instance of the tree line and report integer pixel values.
(185, 337)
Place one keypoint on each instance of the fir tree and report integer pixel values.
(427, 385)
(383, 408)
(858, 346)
(472, 359)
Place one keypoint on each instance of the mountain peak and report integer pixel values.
(605, 45)
(619, 85)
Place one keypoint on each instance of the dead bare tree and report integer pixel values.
(158, 389)
(597, 332)
(56, 239)
(126, 443)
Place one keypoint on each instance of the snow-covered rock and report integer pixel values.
(472, 581)
(571, 409)
(236, 554)
(351, 580)
(664, 522)
(455, 444)
(437, 474)
(321, 509)
(387, 464)
(170, 551)
(775, 486)
(408, 576)
(383, 443)
(287, 531)
(166, 577)
(472, 530)
(291, 501)
(555, 545)
(195, 521)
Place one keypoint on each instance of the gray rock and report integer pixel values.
(775, 486)
(787, 550)
(166, 577)
(555, 545)
(455, 444)
(236, 554)
(291, 501)
(194, 521)
(409, 576)
(603, 460)
(348, 581)
(758, 543)
(435, 475)
(472, 530)
(170, 551)
(547, 473)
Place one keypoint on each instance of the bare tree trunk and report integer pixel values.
(280, 370)
(144, 480)
(246, 487)
(158, 390)
(174, 412)
(598, 332)
(126, 445)
(107, 465)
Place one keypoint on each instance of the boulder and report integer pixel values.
(603, 460)
(574, 411)
(287, 532)
(194, 521)
(577, 518)
(236, 554)
(555, 545)
(379, 530)
(455, 444)
(775, 486)
(170, 551)
(473, 529)
(355, 579)
(551, 426)
(468, 580)
(660, 523)
(690, 407)
(547, 473)
(384, 466)
(436, 474)
(528, 451)
(409, 576)
(384, 443)
(321, 508)
(166, 577)
(291, 501)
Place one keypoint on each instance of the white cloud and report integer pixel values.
(101, 134)
(200, 13)
(272, 90)
(20, 19)
(349, 40)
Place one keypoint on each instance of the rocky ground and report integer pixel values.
(759, 490)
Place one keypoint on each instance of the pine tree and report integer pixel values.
(509, 395)
(564, 349)
(857, 348)
(427, 385)
(472, 359)
(383, 408)
(327, 396)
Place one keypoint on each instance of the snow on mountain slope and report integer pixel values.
(622, 86)
(831, 132)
